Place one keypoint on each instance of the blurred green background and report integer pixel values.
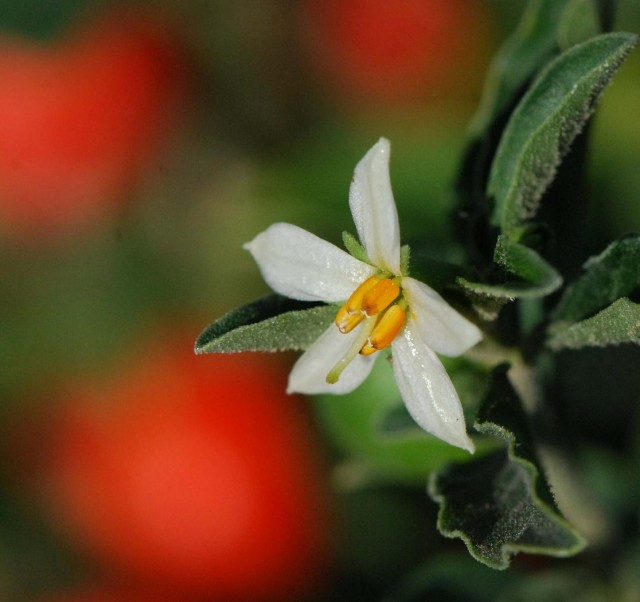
(141, 144)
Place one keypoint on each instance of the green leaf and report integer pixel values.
(619, 323)
(501, 504)
(613, 274)
(274, 323)
(538, 277)
(544, 125)
(530, 46)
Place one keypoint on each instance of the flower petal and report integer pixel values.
(298, 264)
(374, 210)
(309, 374)
(440, 326)
(427, 390)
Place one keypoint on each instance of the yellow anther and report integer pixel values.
(350, 314)
(386, 329)
(346, 321)
(380, 296)
(354, 303)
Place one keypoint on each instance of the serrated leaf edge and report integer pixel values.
(507, 550)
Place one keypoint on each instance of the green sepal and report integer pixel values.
(501, 504)
(273, 323)
(545, 123)
(617, 324)
(405, 259)
(353, 246)
(606, 277)
(538, 278)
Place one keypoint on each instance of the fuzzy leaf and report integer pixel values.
(538, 277)
(273, 323)
(531, 46)
(532, 43)
(501, 504)
(619, 323)
(613, 274)
(545, 123)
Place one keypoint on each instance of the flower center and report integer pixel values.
(377, 302)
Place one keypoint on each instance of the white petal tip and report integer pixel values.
(383, 145)
(373, 208)
(469, 446)
(251, 245)
(475, 336)
(458, 439)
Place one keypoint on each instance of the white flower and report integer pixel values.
(382, 306)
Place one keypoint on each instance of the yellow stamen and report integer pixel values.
(372, 303)
(346, 321)
(352, 352)
(380, 296)
(350, 314)
(386, 329)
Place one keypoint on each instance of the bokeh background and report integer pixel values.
(141, 144)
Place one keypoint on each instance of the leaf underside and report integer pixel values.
(613, 274)
(538, 277)
(501, 504)
(273, 323)
(595, 311)
(617, 324)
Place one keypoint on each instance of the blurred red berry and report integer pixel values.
(79, 119)
(405, 50)
(196, 475)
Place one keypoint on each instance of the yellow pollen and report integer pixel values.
(386, 329)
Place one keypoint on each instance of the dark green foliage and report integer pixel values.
(274, 323)
(501, 503)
